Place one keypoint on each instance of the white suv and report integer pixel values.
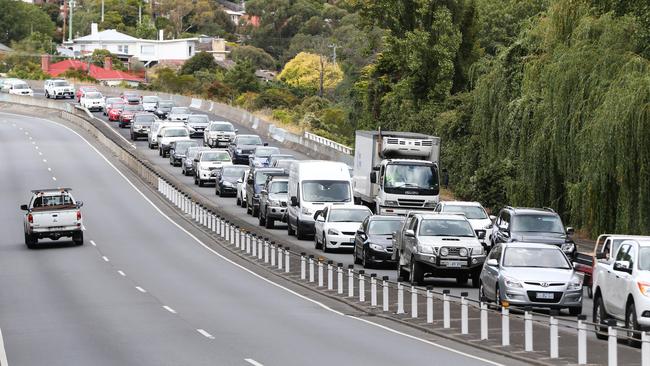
(152, 136)
(219, 133)
(621, 288)
(474, 213)
(92, 101)
(169, 134)
(55, 88)
(207, 161)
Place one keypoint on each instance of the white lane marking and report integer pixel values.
(205, 334)
(45, 160)
(122, 273)
(53, 178)
(253, 362)
(323, 306)
(36, 147)
(141, 289)
(40, 153)
(20, 128)
(3, 353)
(26, 133)
(30, 137)
(33, 142)
(105, 259)
(49, 169)
(93, 243)
(169, 309)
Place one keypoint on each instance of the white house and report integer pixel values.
(149, 51)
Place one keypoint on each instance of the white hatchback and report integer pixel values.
(336, 225)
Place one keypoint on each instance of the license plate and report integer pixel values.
(545, 295)
(453, 264)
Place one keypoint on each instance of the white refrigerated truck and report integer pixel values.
(396, 172)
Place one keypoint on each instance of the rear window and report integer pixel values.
(175, 132)
(221, 127)
(180, 110)
(150, 99)
(146, 119)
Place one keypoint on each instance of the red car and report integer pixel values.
(130, 98)
(127, 114)
(114, 111)
(84, 89)
(110, 101)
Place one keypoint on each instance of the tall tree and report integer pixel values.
(18, 19)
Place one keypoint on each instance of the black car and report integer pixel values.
(243, 146)
(162, 108)
(373, 242)
(533, 225)
(177, 150)
(141, 124)
(187, 168)
(256, 180)
(226, 179)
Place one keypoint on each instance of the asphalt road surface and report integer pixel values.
(143, 291)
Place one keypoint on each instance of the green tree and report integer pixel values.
(200, 61)
(19, 19)
(241, 77)
(307, 70)
(35, 43)
(98, 58)
(28, 70)
(258, 57)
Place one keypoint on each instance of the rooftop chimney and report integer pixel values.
(93, 28)
(108, 63)
(45, 63)
(160, 34)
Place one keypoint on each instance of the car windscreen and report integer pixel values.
(231, 171)
(215, 156)
(145, 119)
(113, 100)
(471, 212)
(61, 83)
(348, 215)
(182, 146)
(21, 86)
(175, 132)
(410, 176)
(180, 110)
(265, 151)
(279, 187)
(149, 99)
(644, 258)
(130, 107)
(384, 227)
(221, 127)
(249, 140)
(198, 119)
(277, 157)
(442, 227)
(192, 152)
(326, 191)
(117, 106)
(260, 177)
(93, 95)
(535, 257)
(165, 105)
(53, 200)
(537, 223)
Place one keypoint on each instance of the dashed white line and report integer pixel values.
(33, 142)
(93, 243)
(105, 259)
(205, 334)
(30, 137)
(169, 309)
(36, 147)
(45, 160)
(141, 289)
(3, 353)
(40, 153)
(253, 362)
(122, 273)
(49, 169)
(53, 178)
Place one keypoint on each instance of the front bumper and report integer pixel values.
(276, 212)
(385, 255)
(339, 241)
(450, 266)
(218, 141)
(206, 175)
(401, 211)
(530, 296)
(64, 94)
(140, 132)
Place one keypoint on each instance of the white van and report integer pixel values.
(313, 184)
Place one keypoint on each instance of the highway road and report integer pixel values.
(144, 290)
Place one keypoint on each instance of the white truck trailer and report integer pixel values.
(396, 172)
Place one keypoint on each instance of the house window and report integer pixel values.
(123, 49)
(189, 51)
(146, 50)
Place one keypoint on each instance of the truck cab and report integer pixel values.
(396, 172)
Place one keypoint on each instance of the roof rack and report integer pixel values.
(52, 190)
(549, 209)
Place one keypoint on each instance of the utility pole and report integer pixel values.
(139, 14)
(72, 4)
(102, 11)
(333, 46)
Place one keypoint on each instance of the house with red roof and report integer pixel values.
(105, 75)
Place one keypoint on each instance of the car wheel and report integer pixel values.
(171, 160)
(600, 317)
(47, 95)
(355, 257)
(497, 296)
(403, 273)
(270, 223)
(590, 292)
(30, 241)
(159, 152)
(201, 182)
(417, 275)
(248, 208)
(365, 261)
(300, 233)
(238, 201)
(476, 275)
(260, 219)
(255, 211)
(78, 238)
(196, 181)
(631, 323)
(481, 292)
(290, 230)
(317, 244)
(324, 244)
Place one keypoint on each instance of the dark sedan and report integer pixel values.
(177, 150)
(127, 114)
(243, 146)
(226, 179)
(373, 242)
(163, 107)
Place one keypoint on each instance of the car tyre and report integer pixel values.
(300, 233)
(417, 274)
(324, 244)
(590, 292)
(476, 279)
(238, 201)
(78, 238)
(481, 292)
(290, 230)
(270, 223)
(631, 323)
(497, 296)
(30, 241)
(255, 211)
(260, 219)
(365, 261)
(600, 317)
(317, 244)
(355, 256)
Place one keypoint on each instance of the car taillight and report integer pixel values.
(30, 218)
(78, 215)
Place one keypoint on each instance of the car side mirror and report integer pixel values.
(492, 262)
(481, 234)
(294, 201)
(159, 135)
(622, 266)
(24, 207)
(570, 230)
(266, 144)
(240, 180)
(196, 160)
(236, 130)
(601, 255)
(263, 191)
(493, 218)
(373, 177)
(318, 214)
(409, 233)
(80, 204)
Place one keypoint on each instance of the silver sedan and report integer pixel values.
(536, 275)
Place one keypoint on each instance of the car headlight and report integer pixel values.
(273, 203)
(425, 249)
(239, 151)
(511, 282)
(575, 284)
(444, 252)
(227, 184)
(306, 211)
(430, 204)
(376, 247)
(462, 252)
(333, 232)
(568, 247)
(478, 250)
(644, 288)
(489, 226)
(391, 203)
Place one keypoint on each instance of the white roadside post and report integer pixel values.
(272, 247)
(554, 334)
(429, 304)
(582, 340)
(311, 268)
(280, 256)
(266, 251)
(464, 327)
(384, 293)
(505, 326)
(645, 349)
(260, 248)
(287, 259)
(226, 227)
(219, 226)
(303, 265)
(330, 276)
(254, 245)
(400, 296)
(320, 273)
(528, 330)
(414, 302)
(373, 290)
(339, 278)
(209, 220)
(484, 321)
(446, 318)
(612, 356)
(350, 280)
(362, 286)
(237, 241)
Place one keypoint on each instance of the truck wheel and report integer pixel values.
(78, 238)
(634, 333)
(600, 317)
(270, 223)
(590, 292)
(417, 274)
(30, 241)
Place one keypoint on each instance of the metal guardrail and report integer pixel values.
(329, 143)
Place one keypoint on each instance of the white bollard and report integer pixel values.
(254, 246)
(159, 184)
(311, 268)
(429, 304)
(582, 340)
(280, 257)
(384, 293)
(484, 322)
(237, 241)
(400, 296)
(260, 249)
(193, 210)
(287, 259)
(645, 349)
(414, 302)
(505, 326)
(554, 347)
(272, 247)
(362, 286)
(232, 233)
(373, 290)
(528, 331)
(320, 273)
(227, 231)
(350, 280)
(303, 265)
(464, 327)
(612, 357)
(219, 226)
(330, 276)
(339, 278)
(446, 318)
(209, 220)
(266, 252)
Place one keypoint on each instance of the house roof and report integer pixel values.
(96, 72)
(4, 48)
(106, 36)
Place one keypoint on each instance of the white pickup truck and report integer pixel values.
(52, 213)
(58, 88)
(621, 288)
